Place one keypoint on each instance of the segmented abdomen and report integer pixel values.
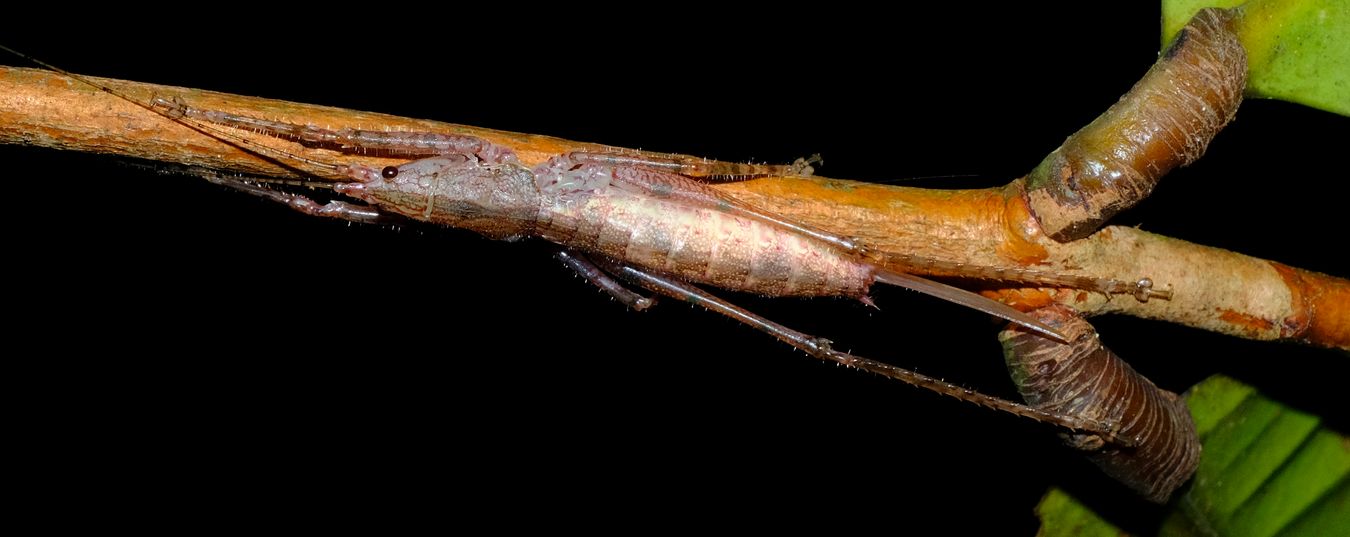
(703, 245)
(1086, 379)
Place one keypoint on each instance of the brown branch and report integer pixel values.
(1256, 299)
(1166, 120)
(1086, 378)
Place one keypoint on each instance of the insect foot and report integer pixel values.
(802, 166)
(1084, 378)
(1144, 290)
(173, 109)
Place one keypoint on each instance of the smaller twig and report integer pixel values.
(1165, 121)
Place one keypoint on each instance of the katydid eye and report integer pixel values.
(389, 172)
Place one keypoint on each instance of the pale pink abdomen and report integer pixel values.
(703, 245)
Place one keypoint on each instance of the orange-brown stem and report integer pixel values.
(1166, 120)
(1256, 299)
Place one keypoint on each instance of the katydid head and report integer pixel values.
(496, 200)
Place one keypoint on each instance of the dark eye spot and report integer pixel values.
(389, 172)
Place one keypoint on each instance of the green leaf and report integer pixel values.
(1065, 516)
(1297, 50)
(1266, 470)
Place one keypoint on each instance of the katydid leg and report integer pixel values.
(341, 210)
(388, 143)
(711, 170)
(821, 348)
(597, 276)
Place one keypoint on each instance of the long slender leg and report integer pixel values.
(711, 170)
(409, 144)
(334, 209)
(603, 280)
(820, 348)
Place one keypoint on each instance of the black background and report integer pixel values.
(194, 339)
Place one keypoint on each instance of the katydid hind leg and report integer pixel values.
(688, 293)
(821, 348)
(587, 269)
(694, 167)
